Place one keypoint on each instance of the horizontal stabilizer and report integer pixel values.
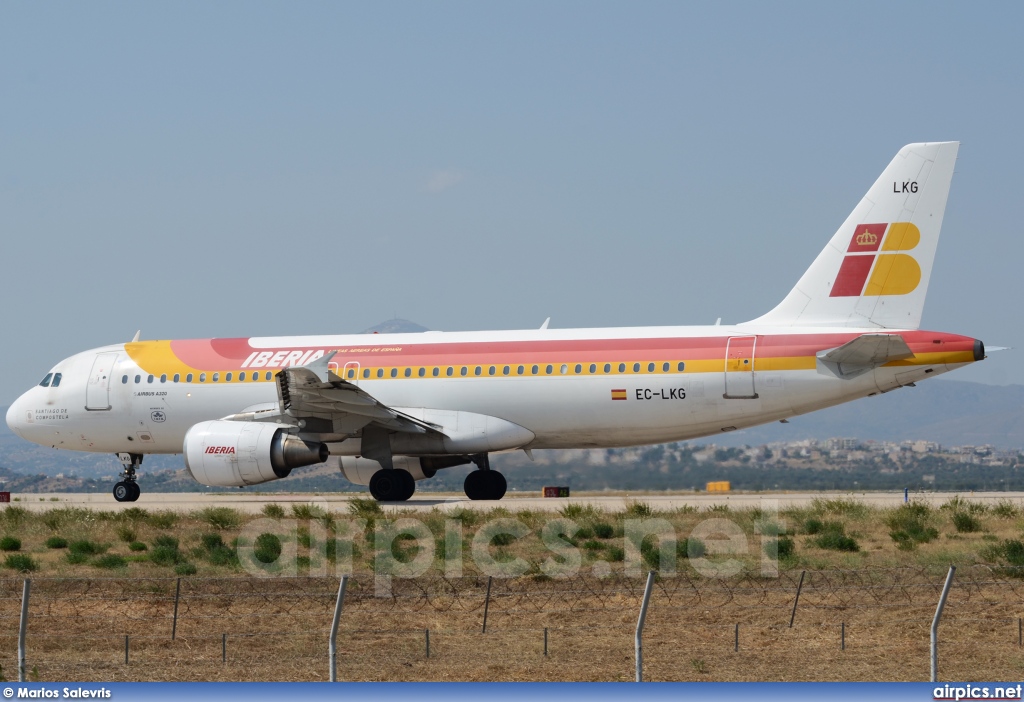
(866, 352)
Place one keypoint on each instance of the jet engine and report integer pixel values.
(234, 454)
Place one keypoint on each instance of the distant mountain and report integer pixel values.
(396, 326)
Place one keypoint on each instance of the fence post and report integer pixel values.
(935, 624)
(427, 632)
(545, 641)
(640, 627)
(126, 649)
(334, 628)
(174, 625)
(223, 648)
(842, 638)
(736, 645)
(799, 587)
(487, 604)
(1020, 631)
(22, 628)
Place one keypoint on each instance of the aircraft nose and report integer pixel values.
(14, 417)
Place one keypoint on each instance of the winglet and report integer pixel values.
(321, 367)
(546, 323)
(136, 337)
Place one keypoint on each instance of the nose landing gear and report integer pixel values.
(127, 490)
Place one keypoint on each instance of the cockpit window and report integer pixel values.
(45, 382)
(56, 380)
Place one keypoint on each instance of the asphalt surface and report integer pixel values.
(253, 502)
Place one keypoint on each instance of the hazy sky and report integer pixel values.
(235, 169)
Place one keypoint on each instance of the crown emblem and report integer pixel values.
(866, 238)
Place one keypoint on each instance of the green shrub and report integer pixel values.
(308, 511)
(958, 504)
(185, 569)
(503, 539)
(909, 525)
(134, 514)
(75, 558)
(813, 526)
(603, 530)
(86, 548)
(584, 532)
(166, 541)
(221, 517)
(56, 542)
(692, 548)
(615, 554)
(211, 541)
(10, 543)
(126, 534)
(162, 520)
(576, 511)
(639, 509)
(368, 508)
(165, 551)
(594, 545)
(137, 546)
(20, 562)
(110, 561)
(267, 548)
(836, 541)
(274, 511)
(966, 523)
(1005, 509)
(781, 548)
(847, 508)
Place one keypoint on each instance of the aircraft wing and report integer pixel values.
(866, 352)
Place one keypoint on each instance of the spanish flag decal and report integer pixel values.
(618, 394)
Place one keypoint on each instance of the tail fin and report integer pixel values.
(875, 270)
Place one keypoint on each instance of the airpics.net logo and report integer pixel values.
(875, 263)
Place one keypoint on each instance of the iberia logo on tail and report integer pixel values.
(891, 271)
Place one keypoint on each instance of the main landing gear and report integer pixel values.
(127, 490)
(392, 485)
(484, 484)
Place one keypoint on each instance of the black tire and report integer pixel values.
(123, 491)
(496, 485)
(136, 491)
(387, 485)
(476, 485)
(408, 485)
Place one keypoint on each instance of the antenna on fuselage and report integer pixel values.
(546, 323)
(136, 337)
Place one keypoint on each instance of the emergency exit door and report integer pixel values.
(739, 368)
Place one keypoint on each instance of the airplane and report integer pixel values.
(391, 411)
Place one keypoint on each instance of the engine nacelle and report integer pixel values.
(233, 454)
(360, 470)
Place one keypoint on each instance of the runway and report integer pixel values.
(253, 502)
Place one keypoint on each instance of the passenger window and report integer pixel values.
(436, 372)
(422, 372)
(665, 366)
(366, 372)
(549, 369)
(56, 380)
(477, 371)
(176, 378)
(216, 377)
(534, 370)
(650, 367)
(380, 372)
(124, 380)
(490, 371)
(45, 382)
(607, 367)
(149, 379)
(227, 378)
(188, 378)
(464, 370)
(680, 366)
(163, 378)
(202, 377)
(593, 367)
(408, 372)
(564, 369)
(394, 372)
(269, 375)
(241, 377)
(579, 368)
(138, 379)
(351, 373)
(449, 371)
(505, 370)
(519, 370)
(622, 367)
(636, 367)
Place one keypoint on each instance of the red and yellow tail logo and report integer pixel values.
(890, 273)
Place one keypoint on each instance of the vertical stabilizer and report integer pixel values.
(875, 270)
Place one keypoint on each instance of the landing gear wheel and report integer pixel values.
(136, 491)
(123, 491)
(485, 485)
(391, 485)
